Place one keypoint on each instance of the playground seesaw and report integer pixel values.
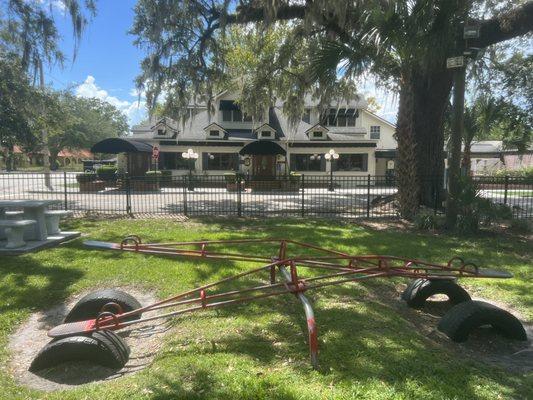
(290, 267)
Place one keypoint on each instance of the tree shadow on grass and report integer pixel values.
(29, 284)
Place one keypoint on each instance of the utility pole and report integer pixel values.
(454, 165)
(44, 136)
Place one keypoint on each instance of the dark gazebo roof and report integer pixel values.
(121, 145)
(262, 147)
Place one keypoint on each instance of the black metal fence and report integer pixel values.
(196, 195)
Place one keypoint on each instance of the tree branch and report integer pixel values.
(507, 26)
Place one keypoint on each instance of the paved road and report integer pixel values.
(214, 201)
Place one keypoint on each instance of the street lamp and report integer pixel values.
(330, 156)
(190, 156)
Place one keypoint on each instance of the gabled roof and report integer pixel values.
(265, 126)
(214, 125)
(168, 122)
(317, 127)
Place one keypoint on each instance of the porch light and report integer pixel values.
(314, 157)
(190, 155)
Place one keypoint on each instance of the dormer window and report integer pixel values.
(214, 131)
(375, 132)
(265, 131)
(317, 132)
(161, 132)
(341, 117)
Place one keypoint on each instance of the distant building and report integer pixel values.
(228, 140)
(489, 156)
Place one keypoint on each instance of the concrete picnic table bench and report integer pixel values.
(33, 210)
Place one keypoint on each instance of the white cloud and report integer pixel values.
(134, 110)
(53, 4)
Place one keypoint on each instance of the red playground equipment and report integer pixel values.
(300, 266)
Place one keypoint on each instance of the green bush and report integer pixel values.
(526, 172)
(230, 177)
(475, 210)
(154, 173)
(107, 172)
(86, 177)
(295, 177)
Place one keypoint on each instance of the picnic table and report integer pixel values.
(33, 210)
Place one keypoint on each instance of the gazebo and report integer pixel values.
(138, 153)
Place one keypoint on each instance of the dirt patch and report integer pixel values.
(144, 340)
(484, 345)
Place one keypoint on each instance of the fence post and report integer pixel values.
(185, 195)
(239, 201)
(506, 189)
(128, 194)
(65, 188)
(303, 195)
(368, 197)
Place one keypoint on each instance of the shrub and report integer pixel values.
(154, 173)
(230, 177)
(295, 177)
(86, 177)
(107, 172)
(526, 172)
(475, 210)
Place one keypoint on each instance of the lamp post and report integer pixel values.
(190, 156)
(330, 156)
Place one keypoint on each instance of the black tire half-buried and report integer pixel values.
(104, 348)
(463, 318)
(419, 290)
(89, 306)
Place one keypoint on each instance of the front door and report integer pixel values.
(264, 166)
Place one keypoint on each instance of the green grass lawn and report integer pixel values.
(259, 351)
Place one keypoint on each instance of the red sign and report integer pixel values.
(155, 152)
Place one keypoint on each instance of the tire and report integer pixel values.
(465, 317)
(419, 290)
(89, 306)
(103, 348)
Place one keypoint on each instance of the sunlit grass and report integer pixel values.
(259, 351)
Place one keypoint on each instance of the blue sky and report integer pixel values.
(107, 61)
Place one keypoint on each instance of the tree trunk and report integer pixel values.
(431, 92)
(408, 183)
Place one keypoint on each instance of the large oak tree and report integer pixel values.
(404, 44)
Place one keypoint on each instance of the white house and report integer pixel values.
(230, 141)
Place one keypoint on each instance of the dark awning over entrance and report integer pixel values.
(121, 145)
(262, 147)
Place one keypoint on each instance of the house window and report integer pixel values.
(307, 162)
(220, 161)
(237, 116)
(306, 116)
(214, 134)
(318, 135)
(342, 117)
(227, 115)
(352, 162)
(375, 132)
(161, 132)
(247, 118)
(173, 161)
(266, 134)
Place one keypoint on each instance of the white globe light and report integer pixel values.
(332, 151)
(335, 156)
(195, 155)
(327, 156)
(190, 151)
(185, 155)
